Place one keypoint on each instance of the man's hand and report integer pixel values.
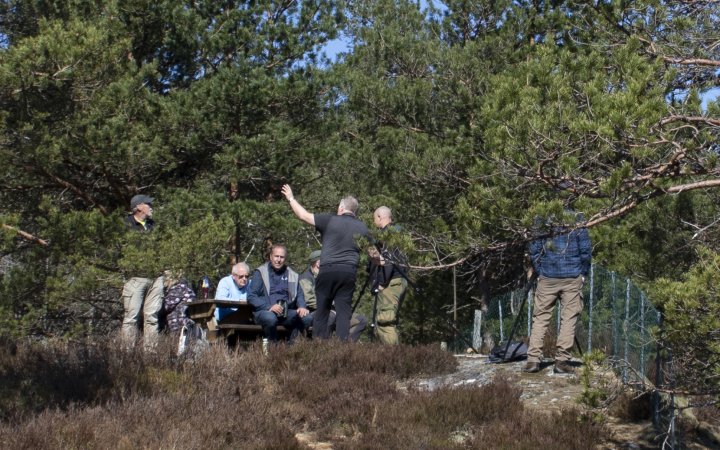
(297, 208)
(277, 309)
(302, 312)
(287, 192)
(375, 256)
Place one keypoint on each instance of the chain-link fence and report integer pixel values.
(617, 319)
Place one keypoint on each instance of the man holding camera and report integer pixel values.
(276, 297)
(388, 283)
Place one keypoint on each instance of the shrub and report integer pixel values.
(87, 394)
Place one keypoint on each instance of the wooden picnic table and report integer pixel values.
(239, 322)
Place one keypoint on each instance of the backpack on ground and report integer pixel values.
(515, 352)
(192, 339)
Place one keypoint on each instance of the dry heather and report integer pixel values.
(94, 395)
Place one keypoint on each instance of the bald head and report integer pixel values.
(382, 217)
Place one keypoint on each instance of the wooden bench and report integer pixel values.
(237, 323)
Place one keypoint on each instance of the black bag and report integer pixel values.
(515, 352)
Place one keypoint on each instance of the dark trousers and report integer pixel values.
(269, 321)
(338, 287)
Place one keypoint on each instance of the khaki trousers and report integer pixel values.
(569, 290)
(142, 295)
(388, 300)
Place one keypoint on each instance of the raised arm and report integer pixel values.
(297, 208)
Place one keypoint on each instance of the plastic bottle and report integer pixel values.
(205, 288)
(265, 346)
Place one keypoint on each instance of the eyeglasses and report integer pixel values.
(242, 276)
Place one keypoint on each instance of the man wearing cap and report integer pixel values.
(141, 217)
(141, 294)
(307, 280)
(358, 322)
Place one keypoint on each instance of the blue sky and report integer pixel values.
(710, 96)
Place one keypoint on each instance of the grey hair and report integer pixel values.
(240, 265)
(350, 203)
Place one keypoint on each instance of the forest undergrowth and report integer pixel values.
(94, 394)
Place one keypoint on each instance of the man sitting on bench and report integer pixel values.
(233, 287)
(276, 297)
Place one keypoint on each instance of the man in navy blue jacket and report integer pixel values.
(561, 262)
(275, 295)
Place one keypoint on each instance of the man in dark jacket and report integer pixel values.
(275, 295)
(141, 295)
(388, 284)
(561, 262)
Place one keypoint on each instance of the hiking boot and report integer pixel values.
(531, 367)
(563, 367)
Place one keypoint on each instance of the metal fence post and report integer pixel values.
(658, 378)
(625, 331)
(500, 312)
(613, 300)
(642, 336)
(590, 312)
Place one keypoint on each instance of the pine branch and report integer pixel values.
(692, 61)
(27, 236)
(690, 119)
(82, 194)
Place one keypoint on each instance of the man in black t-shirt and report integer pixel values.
(338, 263)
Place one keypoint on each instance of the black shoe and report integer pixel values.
(531, 367)
(563, 367)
